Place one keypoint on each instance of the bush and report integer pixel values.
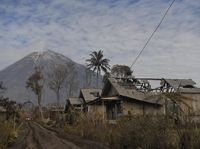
(8, 134)
(189, 136)
(145, 132)
(85, 124)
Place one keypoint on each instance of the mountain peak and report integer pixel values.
(47, 55)
(16, 75)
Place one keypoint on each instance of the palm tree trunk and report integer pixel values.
(99, 74)
(97, 78)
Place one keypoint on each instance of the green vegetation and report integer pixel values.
(8, 134)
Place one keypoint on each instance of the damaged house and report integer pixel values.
(90, 95)
(122, 97)
(84, 100)
(76, 103)
(186, 95)
(137, 96)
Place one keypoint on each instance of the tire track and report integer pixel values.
(37, 136)
(43, 139)
(33, 143)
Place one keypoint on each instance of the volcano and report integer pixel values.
(15, 76)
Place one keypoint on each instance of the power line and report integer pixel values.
(145, 45)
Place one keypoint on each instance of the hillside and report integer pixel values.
(15, 76)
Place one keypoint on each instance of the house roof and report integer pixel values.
(110, 98)
(189, 90)
(143, 81)
(75, 101)
(175, 83)
(89, 94)
(134, 94)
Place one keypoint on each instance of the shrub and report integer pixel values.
(146, 132)
(132, 132)
(7, 134)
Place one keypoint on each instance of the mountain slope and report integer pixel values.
(15, 76)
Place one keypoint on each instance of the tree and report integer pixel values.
(35, 83)
(2, 87)
(12, 109)
(72, 82)
(88, 77)
(121, 71)
(10, 106)
(57, 80)
(98, 63)
(106, 76)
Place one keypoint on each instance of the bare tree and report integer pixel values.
(35, 82)
(57, 79)
(88, 77)
(72, 81)
(121, 71)
(2, 87)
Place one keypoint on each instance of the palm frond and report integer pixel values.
(96, 61)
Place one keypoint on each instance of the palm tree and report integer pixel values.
(98, 63)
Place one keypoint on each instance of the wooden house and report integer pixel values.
(89, 96)
(137, 96)
(184, 94)
(121, 97)
(53, 110)
(76, 103)
(133, 96)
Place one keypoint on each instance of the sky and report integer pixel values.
(119, 27)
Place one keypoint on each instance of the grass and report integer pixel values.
(145, 132)
(8, 134)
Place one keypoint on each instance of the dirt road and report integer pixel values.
(38, 137)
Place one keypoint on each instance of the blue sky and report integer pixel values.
(119, 27)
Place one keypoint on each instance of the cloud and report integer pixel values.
(120, 28)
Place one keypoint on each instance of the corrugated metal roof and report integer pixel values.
(143, 81)
(75, 101)
(189, 90)
(175, 83)
(134, 94)
(88, 94)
